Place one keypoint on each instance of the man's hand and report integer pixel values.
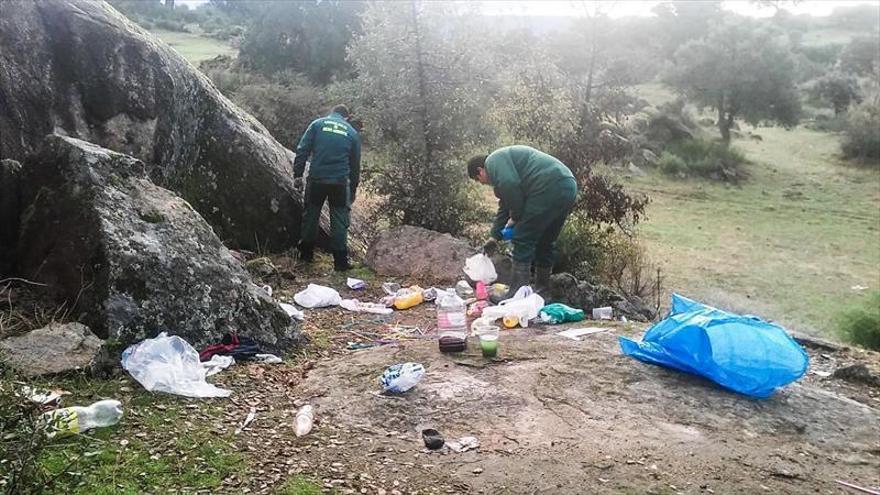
(298, 183)
(491, 247)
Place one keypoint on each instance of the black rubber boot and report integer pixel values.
(340, 261)
(306, 252)
(520, 274)
(542, 279)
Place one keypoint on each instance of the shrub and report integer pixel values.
(286, 111)
(22, 441)
(672, 164)
(860, 323)
(605, 256)
(861, 141)
(703, 158)
(171, 25)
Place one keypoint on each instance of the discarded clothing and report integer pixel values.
(241, 348)
(742, 353)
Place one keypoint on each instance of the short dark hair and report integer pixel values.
(475, 163)
(341, 110)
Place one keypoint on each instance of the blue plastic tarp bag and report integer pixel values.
(743, 353)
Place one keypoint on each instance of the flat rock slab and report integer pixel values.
(557, 416)
(56, 348)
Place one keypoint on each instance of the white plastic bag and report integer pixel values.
(480, 268)
(317, 296)
(292, 311)
(401, 377)
(217, 363)
(169, 364)
(524, 308)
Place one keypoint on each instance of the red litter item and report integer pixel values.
(482, 292)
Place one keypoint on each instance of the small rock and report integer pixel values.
(478, 470)
(56, 348)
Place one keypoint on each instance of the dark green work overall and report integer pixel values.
(334, 172)
(536, 191)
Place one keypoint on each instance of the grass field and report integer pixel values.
(194, 47)
(789, 244)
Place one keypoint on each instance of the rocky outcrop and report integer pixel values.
(10, 208)
(79, 68)
(132, 257)
(567, 289)
(56, 348)
(419, 255)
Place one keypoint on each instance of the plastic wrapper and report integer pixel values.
(401, 377)
(560, 313)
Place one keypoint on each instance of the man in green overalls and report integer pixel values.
(536, 193)
(334, 173)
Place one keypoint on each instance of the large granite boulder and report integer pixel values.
(56, 348)
(419, 255)
(10, 208)
(133, 258)
(79, 68)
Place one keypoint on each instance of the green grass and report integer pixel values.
(299, 485)
(194, 47)
(163, 443)
(788, 244)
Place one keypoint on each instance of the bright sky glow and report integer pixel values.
(624, 8)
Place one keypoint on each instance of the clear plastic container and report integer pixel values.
(452, 323)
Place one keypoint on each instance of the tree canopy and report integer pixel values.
(742, 69)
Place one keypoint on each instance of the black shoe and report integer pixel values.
(340, 261)
(542, 279)
(306, 252)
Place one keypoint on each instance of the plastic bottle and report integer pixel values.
(304, 419)
(452, 323)
(78, 419)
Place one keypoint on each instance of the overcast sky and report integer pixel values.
(623, 8)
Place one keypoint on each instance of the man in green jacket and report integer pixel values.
(536, 193)
(334, 173)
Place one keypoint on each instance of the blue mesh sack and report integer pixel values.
(742, 353)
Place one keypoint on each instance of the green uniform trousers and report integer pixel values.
(544, 215)
(339, 197)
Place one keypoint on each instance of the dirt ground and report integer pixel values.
(552, 415)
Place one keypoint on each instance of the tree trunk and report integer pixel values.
(423, 92)
(724, 122)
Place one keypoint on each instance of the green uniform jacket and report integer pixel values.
(335, 148)
(519, 172)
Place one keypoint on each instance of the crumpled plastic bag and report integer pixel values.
(560, 313)
(217, 363)
(480, 268)
(169, 364)
(365, 307)
(524, 305)
(317, 296)
(401, 377)
(292, 311)
(742, 353)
